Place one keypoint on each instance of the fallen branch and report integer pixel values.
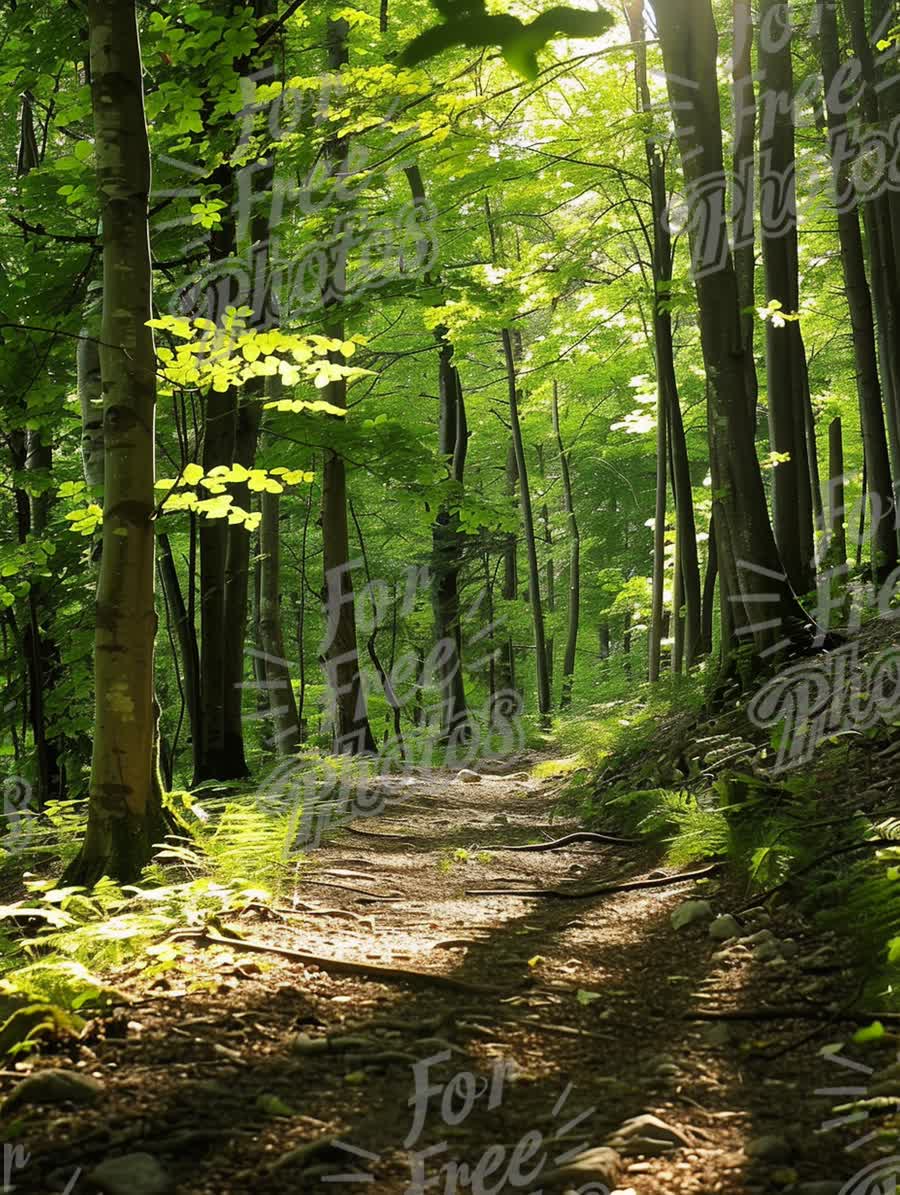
(603, 889)
(345, 966)
(559, 843)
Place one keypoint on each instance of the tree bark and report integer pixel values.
(862, 323)
(749, 563)
(574, 608)
(352, 733)
(534, 577)
(671, 439)
(882, 221)
(447, 539)
(280, 690)
(185, 635)
(786, 373)
(125, 813)
(837, 548)
(743, 189)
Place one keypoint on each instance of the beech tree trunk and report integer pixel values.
(574, 606)
(882, 222)
(749, 563)
(352, 733)
(743, 98)
(279, 689)
(786, 380)
(837, 548)
(185, 636)
(447, 539)
(125, 814)
(862, 323)
(671, 440)
(534, 575)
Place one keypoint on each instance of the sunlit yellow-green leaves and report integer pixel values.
(86, 520)
(206, 494)
(220, 357)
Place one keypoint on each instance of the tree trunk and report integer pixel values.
(185, 635)
(786, 380)
(534, 578)
(837, 548)
(447, 540)
(749, 562)
(90, 397)
(549, 571)
(882, 221)
(687, 566)
(237, 588)
(574, 563)
(859, 302)
(510, 566)
(603, 635)
(280, 690)
(659, 534)
(220, 412)
(352, 733)
(743, 190)
(125, 813)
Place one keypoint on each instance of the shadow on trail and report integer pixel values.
(206, 1088)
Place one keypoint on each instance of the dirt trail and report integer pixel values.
(236, 1085)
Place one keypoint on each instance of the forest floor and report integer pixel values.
(243, 1071)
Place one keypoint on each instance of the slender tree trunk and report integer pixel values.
(859, 302)
(605, 646)
(185, 634)
(237, 589)
(534, 577)
(447, 539)
(90, 397)
(549, 571)
(743, 189)
(786, 380)
(574, 609)
(709, 591)
(510, 564)
(351, 724)
(882, 221)
(218, 448)
(659, 535)
(125, 813)
(280, 690)
(837, 549)
(686, 560)
(749, 562)
(40, 652)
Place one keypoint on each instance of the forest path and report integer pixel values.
(246, 1079)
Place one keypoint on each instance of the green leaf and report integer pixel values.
(872, 1032)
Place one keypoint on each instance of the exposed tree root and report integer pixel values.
(583, 894)
(569, 840)
(346, 967)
